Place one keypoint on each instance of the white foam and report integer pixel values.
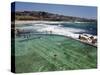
(44, 26)
(60, 30)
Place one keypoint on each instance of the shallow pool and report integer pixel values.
(52, 53)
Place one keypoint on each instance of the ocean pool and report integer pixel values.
(50, 52)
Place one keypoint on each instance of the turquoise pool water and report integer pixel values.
(40, 53)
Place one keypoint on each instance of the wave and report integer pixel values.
(56, 28)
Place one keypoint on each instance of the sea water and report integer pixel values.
(67, 29)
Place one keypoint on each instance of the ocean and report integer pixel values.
(66, 29)
(90, 28)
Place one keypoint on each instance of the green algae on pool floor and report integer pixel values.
(53, 53)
